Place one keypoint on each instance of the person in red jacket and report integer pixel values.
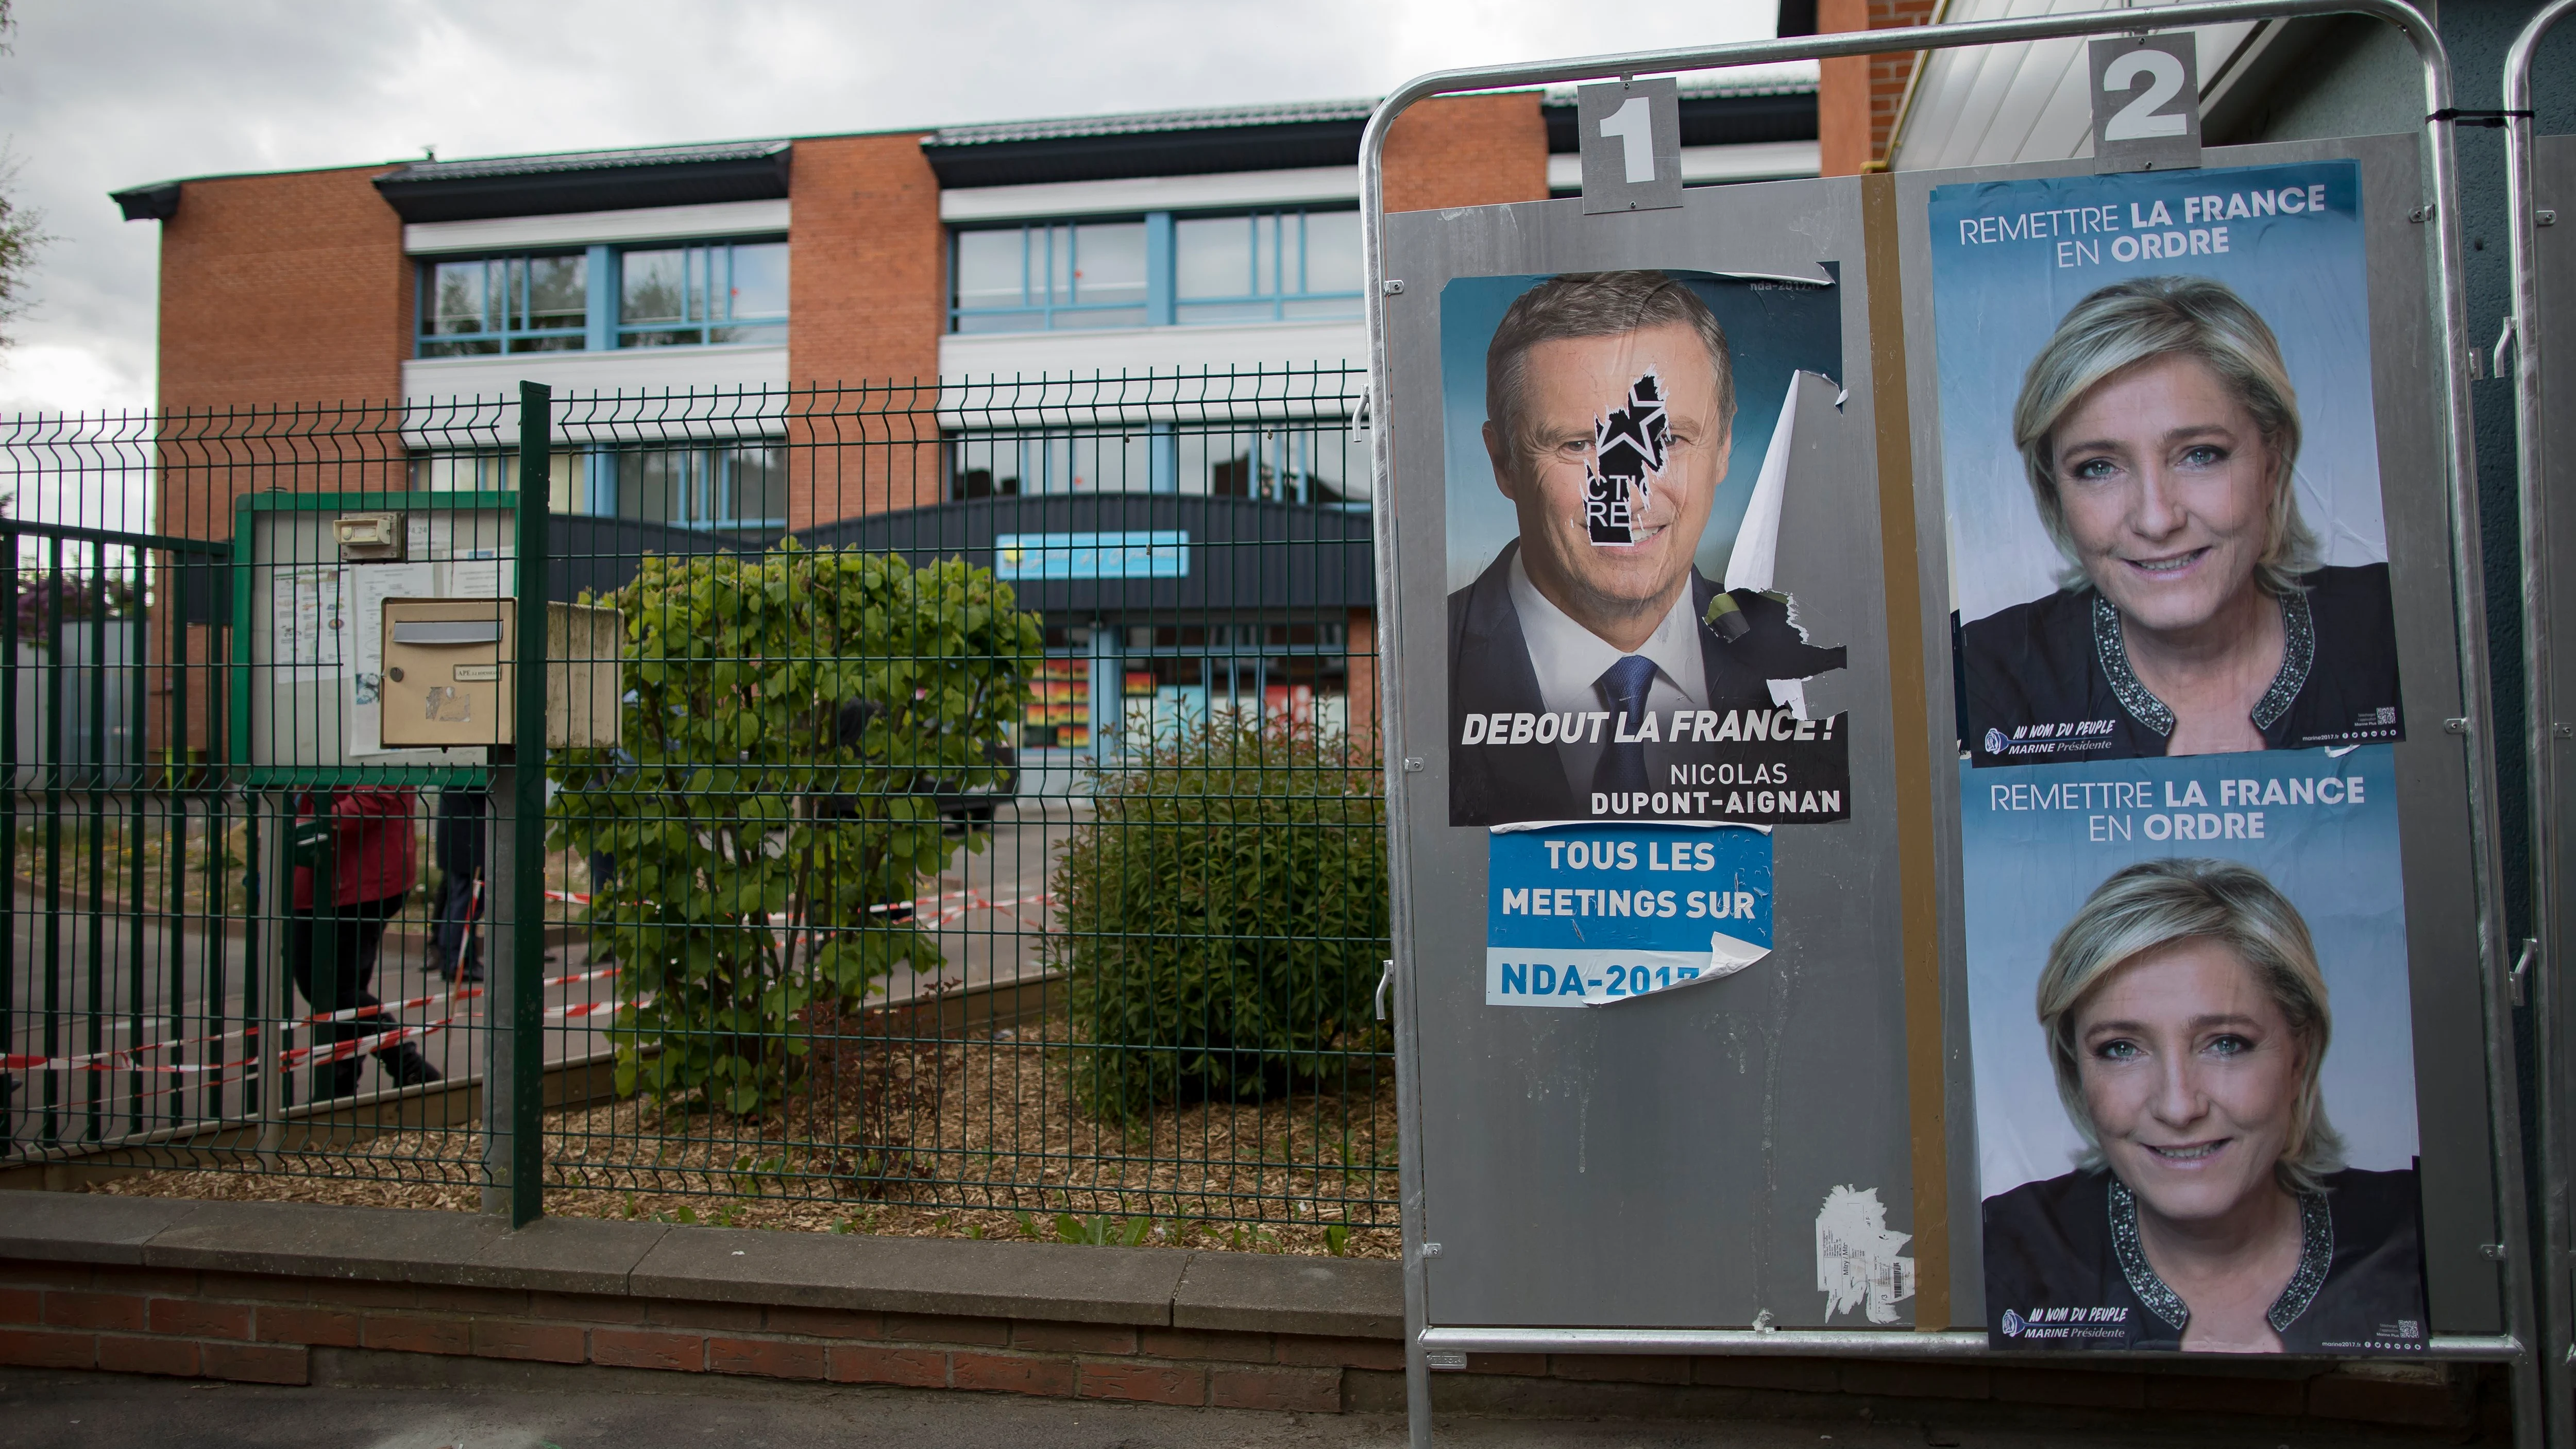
(373, 868)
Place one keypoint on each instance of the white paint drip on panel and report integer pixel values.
(1859, 1264)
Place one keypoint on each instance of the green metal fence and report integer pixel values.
(967, 820)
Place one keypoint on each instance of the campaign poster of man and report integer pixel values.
(2161, 463)
(1617, 446)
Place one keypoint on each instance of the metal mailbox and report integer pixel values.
(449, 673)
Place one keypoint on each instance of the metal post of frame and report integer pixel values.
(2555, 1248)
(514, 1077)
(2476, 724)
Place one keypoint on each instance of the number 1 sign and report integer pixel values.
(1632, 144)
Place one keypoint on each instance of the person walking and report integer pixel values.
(372, 868)
(457, 848)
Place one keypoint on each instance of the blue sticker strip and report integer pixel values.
(1586, 915)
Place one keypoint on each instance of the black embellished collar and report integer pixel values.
(2298, 655)
(2316, 1256)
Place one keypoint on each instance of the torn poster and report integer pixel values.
(1859, 1263)
(1629, 450)
(1586, 915)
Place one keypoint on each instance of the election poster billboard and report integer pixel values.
(2185, 914)
(1641, 686)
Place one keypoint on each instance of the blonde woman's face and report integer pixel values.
(2166, 486)
(2191, 1073)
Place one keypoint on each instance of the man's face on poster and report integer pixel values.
(1568, 386)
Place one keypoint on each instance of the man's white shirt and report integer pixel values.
(1570, 660)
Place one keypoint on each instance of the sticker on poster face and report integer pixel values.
(1629, 448)
(1588, 916)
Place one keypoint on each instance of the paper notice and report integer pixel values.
(306, 620)
(482, 577)
(369, 586)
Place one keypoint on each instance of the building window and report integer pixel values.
(1052, 275)
(743, 485)
(504, 304)
(1266, 266)
(699, 295)
(601, 297)
(1271, 266)
(1287, 463)
(497, 471)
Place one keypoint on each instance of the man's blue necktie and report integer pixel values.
(1623, 687)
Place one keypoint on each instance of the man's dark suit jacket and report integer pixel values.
(1490, 671)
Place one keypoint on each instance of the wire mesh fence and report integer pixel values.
(961, 805)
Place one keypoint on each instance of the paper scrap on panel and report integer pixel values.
(1858, 1261)
(1757, 538)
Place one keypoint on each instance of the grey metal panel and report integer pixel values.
(2554, 268)
(2457, 1144)
(1658, 1163)
(292, 721)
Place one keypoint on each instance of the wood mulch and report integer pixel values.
(973, 1138)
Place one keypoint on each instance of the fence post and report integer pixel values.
(514, 1073)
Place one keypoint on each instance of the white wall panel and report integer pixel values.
(653, 369)
(1992, 105)
(1159, 349)
(582, 228)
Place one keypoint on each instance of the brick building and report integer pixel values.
(890, 271)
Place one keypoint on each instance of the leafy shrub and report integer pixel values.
(1222, 918)
(787, 718)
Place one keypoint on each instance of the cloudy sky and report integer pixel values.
(104, 94)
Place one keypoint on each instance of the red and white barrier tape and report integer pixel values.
(126, 1059)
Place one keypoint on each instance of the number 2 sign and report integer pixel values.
(2146, 103)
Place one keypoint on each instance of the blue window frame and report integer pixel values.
(1284, 462)
(1286, 264)
(735, 486)
(701, 295)
(491, 471)
(739, 485)
(1269, 266)
(491, 305)
(694, 295)
(1045, 275)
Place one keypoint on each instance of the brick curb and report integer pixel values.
(251, 1291)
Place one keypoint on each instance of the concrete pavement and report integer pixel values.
(379, 1406)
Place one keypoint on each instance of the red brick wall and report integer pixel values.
(1467, 151)
(283, 289)
(263, 1328)
(276, 291)
(869, 290)
(1857, 99)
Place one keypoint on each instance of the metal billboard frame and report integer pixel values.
(2476, 726)
(2543, 727)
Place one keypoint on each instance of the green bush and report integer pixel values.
(1222, 918)
(787, 718)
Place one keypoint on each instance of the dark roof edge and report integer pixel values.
(1277, 147)
(1785, 113)
(603, 188)
(156, 202)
